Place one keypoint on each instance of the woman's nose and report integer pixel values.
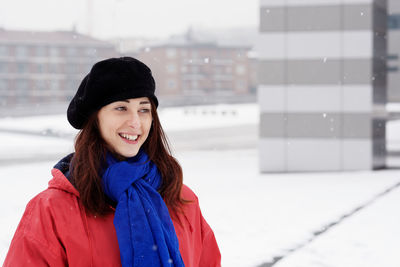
(134, 120)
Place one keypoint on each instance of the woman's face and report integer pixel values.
(125, 125)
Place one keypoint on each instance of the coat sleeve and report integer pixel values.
(35, 242)
(210, 255)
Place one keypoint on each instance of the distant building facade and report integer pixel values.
(45, 67)
(193, 73)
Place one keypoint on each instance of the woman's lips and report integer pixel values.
(130, 139)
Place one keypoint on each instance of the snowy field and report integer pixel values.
(256, 217)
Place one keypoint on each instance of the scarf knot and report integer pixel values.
(129, 172)
(145, 232)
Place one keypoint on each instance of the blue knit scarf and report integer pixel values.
(146, 235)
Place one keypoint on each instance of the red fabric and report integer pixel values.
(56, 231)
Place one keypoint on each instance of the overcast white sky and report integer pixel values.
(127, 18)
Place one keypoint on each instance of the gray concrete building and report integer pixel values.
(393, 46)
(322, 84)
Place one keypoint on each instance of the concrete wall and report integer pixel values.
(322, 75)
(394, 53)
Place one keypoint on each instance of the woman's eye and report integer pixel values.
(120, 108)
(144, 110)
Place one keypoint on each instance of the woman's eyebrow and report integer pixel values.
(141, 102)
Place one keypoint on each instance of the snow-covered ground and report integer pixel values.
(255, 217)
(369, 239)
(259, 216)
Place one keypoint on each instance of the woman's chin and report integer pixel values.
(127, 154)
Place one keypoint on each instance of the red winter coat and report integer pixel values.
(56, 231)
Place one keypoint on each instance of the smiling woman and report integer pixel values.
(119, 200)
(125, 125)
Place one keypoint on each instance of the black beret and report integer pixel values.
(108, 81)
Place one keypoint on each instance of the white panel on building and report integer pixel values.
(273, 154)
(312, 154)
(360, 147)
(272, 98)
(357, 98)
(314, 98)
(271, 46)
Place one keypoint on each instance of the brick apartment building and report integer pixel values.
(191, 73)
(45, 67)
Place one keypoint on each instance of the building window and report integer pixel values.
(3, 67)
(3, 86)
(91, 52)
(4, 93)
(21, 88)
(54, 68)
(72, 52)
(171, 68)
(54, 85)
(22, 67)
(41, 68)
(40, 51)
(240, 70)
(3, 50)
(21, 51)
(171, 84)
(40, 85)
(71, 87)
(241, 85)
(72, 68)
(54, 52)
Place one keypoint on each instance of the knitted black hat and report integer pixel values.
(108, 81)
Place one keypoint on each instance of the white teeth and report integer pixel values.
(129, 137)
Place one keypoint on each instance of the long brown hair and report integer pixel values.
(89, 159)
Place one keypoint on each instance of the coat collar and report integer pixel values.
(60, 174)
